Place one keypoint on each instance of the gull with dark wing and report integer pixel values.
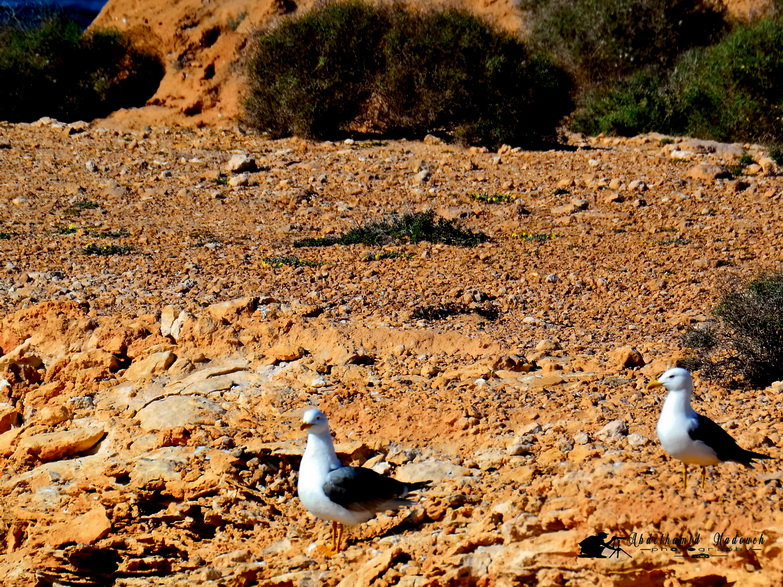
(690, 437)
(344, 495)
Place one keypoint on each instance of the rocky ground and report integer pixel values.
(151, 394)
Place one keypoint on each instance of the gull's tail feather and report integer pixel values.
(411, 487)
(746, 457)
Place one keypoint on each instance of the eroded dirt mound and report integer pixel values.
(202, 45)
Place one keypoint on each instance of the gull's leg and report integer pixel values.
(684, 476)
(340, 530)
(335, 525)
(703, 476)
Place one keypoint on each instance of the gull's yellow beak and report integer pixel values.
(653, 384)
(305, 425)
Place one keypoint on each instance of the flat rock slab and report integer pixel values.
(50, 446)
(431, 470)
(178, 410)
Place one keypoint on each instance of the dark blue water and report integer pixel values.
(29, 12)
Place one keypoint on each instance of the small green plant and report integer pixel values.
(406, 228)
(106, 250)
(441, 311)
(739, 169)
(202, 237)
(539, 237)
(79, 206)
(387, 255)
(222, 179)
(67, 229)
(290, 261)
(667, 229)
(492, 198)
(233, 23)
(6, 235)
(776, 154)
(679, 241)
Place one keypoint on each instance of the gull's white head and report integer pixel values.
(675, 380)
(314, 421)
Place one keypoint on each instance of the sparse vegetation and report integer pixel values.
(492, 198)
(66, 229)
(350, 65)
(442, 311)
(534, 236)
(679, 241)
(53, 69)
(201, 238)
(106, 250)
(748, 337)
(406, 228)
(6, 235)
(739, 169)
(79, 206)
(387, 255)
(289, 261)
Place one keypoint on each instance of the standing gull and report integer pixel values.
(691, 437)
(344, 495)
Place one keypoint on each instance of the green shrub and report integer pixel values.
(603, 40)
(732, 91)
(748, 338)
(407, 228)
(450, 70)
(753, 320)
(52, 69)
(348, 65)
(311, 75)
(632, 106)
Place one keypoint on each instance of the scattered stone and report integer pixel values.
(241, 163)
(171, 321)
(150, 366)
(614, 430)
(708, 172)
(283, 353)
(239, 180)
(51, 446)
(53, 415)
(636, 440)
(225, 311)
(626, 357)
(581, 437)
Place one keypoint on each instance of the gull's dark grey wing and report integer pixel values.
(359, 488)
(725, 447)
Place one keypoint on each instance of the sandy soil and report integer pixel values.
(149, 426)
